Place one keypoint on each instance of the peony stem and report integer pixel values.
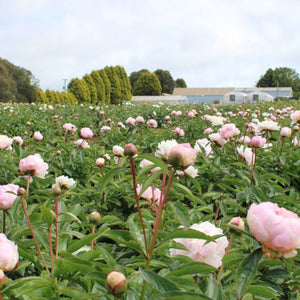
(33, 235)
(4, 221)
(226, 252)
(218, 209)
(137, 199)
(56, 227)
(51, 247)
(253, 160)
(93, 241)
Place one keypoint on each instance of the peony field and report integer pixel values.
(150, 201)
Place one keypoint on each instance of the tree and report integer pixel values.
(280, 77)
(100, 87)
(134, 76)
(115, 86)
(107, 85)
(92, 88)
(41, 96)
(180, 83)
(80, 90)
(166, 81)
(125, 83)
(147, 84)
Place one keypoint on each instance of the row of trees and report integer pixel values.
(143, 82)
(16, 84)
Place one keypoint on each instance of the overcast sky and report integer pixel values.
(209, 43)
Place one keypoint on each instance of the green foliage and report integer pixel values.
(16, 84)
(280, 77)
(80, 90)
(134, 76)
(91, 87)
(107, 85)
(125, 83)
(147, 84)
(100, 87)
(41, 96)
(180, 83)
(115, 85)
(166, 81)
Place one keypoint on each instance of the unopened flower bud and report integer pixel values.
(238, 221)
(106, 157)
(28, 123)
(5, 131)
(55, 117)
(61, 118)
(91, 126)
(116, 282)
(25, 133)
(56, 190)
(182, 156)
(100, 162)
(94, 217)
(130, 150)
(58, 152)
(21, 191)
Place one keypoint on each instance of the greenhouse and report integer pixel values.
(259, 97)
(170, 99)
(234, 98)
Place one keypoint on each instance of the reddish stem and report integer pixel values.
(218, 209)
(56, 228)
(93, 241)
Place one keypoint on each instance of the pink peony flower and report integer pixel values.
(18, 140)
(244, 139)
(33, 165)
(286, 132)
(69, 127)
(178, 113)
(208, 131)
(100, 162)
(152, 196)
(295, 116)
(247, 154)
(5, 142)
(167, 118)
(131, 121)
(38, 136)
(104, 129)
(238, 221)
(179, 131)
(9, 256)
(191, 114)
(145, 163)
(277, 229)
(152, 123)
(182, 155)
(139, 119)
(229, 131)
(118, 151)
(257, 141)
(268, 126)
(82, 144)
(63, 182)
(86, 133)
(198, 250)
(8, 194)
(217, 138)
(165, 147)
(204, 143)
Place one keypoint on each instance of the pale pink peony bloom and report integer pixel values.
(121, 125)
(214, 120)
(277, 229)
(296, 142)
(167, 118)
(63, 182)
(286, 132)
(165, 147)
(18, 140)
(257, 141)
(33, 165)
(191, 114)
(178, 113)
(179, 131)
(8, 194)
(238, 221)
(82, 144)
(145, 163)
(244, 139)
(69, 127)
(151, 195)
(107, 157)
(199, 250)
(100, 162)
(118, 151)
(9, 256)
(268, 126)
(38, 136)
(5, 142)
(208, 131)
(140, 119)
(86, 133)
(131, 121)
(247, 154)
(182, 155)
(191, 171)
(204, 143)
(273, 118)
(173, 113)
(229, 131)
(295, 116)
(105, 129)
(217, 138)
(152, 123)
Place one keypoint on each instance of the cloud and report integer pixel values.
(206, 42)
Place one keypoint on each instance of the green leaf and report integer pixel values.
(77, 244)
(262, 291)
(214, 289)
(179, 295)
(191, 268)
(148, 182)
(187, 193)
(181, 212)
(156, 160)
(47, 215)
(246, 271)
(109, 176)
(157, 282)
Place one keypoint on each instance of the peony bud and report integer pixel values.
(28, 123)
(286, 132)
(116, 282)
(94, 217)
(257, 141)
(130, 150)
(100, 162)
(238, 221)
(182, 155)
(21, 191)
(58, 152)
(107, 157)
(56, 190)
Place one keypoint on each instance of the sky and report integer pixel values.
(208, 43)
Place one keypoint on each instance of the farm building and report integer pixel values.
(168, 99)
